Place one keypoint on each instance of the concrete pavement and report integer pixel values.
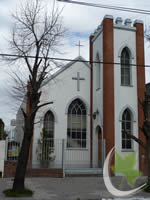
(77, 188)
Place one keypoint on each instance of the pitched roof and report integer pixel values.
(77, 59)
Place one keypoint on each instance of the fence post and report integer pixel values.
(63, 157)
(6, 148)
(103, 152)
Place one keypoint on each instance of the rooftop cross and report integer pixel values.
(79, 45)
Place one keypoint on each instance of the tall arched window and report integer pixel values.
(76, 130)
(98, 72)
(49, 128)
(126, 126)
(125, 67)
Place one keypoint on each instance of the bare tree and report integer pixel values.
(36, 35)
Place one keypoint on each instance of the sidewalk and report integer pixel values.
(79, 188)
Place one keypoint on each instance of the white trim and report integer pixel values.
(83, 100)
(108, 17)
(98, 72)
(131, 60)
(97, 34)
(51, 110)
(138, 22)
(132, 56)
(98, 121)
(99, 56)
(98, 125)
(78, 59)
(132, 112)
(119, 20)
(124, 27)
(132, 131)
(87, 132)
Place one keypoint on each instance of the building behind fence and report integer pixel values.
(55, 154)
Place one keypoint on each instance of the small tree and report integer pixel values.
(3, 133)
(45, 149)
(37, 34)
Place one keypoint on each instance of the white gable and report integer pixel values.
(62, 89)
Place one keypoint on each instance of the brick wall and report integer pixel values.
(140, 89)
(108, 83)
(10, 169)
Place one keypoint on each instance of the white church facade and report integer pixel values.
(93, 103)
(69, 116)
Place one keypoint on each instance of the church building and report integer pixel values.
(95, 102)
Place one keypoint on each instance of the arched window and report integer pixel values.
(125, 67)
(126, 126)
(98, 73)
(48, 134)
(76, 130)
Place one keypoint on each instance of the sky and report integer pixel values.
(80, 21)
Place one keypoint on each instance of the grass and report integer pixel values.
(25, 193)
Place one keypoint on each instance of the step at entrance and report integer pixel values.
(88, 172)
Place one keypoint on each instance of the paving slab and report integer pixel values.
(70, 188)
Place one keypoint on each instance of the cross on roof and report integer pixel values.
(79, 45)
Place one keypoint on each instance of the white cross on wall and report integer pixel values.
(78, 78)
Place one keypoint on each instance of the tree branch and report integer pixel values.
(42, 105)
(24, 114)
(37, 122)
(135, 139)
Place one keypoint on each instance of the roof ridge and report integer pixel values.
(66, 67)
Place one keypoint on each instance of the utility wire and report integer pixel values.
(72, 60)
(125, 9)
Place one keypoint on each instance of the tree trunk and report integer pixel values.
(18, 185)
(148, 153)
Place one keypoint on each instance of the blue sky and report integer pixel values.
(80, 21)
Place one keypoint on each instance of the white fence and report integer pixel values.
(12, 150)
(55, 153)
(47, 154)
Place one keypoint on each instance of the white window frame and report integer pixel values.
(130, 131)
(125, 67)
(71, 130)
(98, 73)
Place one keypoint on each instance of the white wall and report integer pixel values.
(62, 90)
(123, 36)
(97, 94)
(2, 155)
(125, 95)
